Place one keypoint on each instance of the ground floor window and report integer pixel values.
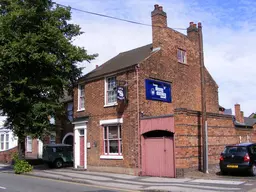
(7, 141)
(112, 140)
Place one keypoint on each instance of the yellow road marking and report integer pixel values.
(83, 184)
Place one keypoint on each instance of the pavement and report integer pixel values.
(204, 182)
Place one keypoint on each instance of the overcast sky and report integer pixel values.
(229, 31)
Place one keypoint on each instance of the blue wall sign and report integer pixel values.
(158, 90)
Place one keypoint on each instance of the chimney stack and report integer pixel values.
(192, 31)
(97, 66)
(238, 113)
(242, 116)
(159, 23)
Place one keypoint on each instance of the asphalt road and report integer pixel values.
(22, 183)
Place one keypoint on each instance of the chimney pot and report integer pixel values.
(191, 23)
(160, 8)
(199, 25)
(194, 25)
(156, 6)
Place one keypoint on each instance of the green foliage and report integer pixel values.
(37, 63)
(21, 166)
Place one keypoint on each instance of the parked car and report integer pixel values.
(239, 157)
(56, 155)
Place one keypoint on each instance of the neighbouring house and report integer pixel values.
(34, 147)
(8, 142)
(139, 113)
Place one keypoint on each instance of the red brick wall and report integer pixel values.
(221, 132)
(6, 156)
(94, 108)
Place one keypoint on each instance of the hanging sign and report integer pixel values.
(121, 93)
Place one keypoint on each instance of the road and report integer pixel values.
(22, 183)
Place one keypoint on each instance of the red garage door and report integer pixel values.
(158, 156)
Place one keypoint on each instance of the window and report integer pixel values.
(80, 97)
(110, 91)
(2, 142)
(182, 56)
(70, 111)
(81, 132)
(29, 144)
(52, 139)
(112, 140)
(7, 141)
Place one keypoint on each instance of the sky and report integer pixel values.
(229, 32)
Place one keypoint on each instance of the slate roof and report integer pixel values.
(121, 61)
(249, 121)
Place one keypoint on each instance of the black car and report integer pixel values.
(239, 157)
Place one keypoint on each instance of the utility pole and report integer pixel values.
(203, 101)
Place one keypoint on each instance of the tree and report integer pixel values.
(37, 63)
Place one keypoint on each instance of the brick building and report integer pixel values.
(139, 113)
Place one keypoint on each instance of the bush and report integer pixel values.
(21, 166)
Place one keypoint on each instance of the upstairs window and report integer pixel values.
(182, 56)
(70, 111)
(80, 97)
(110, 91)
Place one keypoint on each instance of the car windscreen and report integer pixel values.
(234, 150)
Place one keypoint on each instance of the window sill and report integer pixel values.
(80, 110)
(111, 157)
(182, 63)
(110, 105)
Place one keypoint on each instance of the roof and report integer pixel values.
(228, 111)
(121, 61)
(249, 121)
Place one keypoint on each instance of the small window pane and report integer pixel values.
(106, 147)
(113, 132)
(105, 132)
(113, 146)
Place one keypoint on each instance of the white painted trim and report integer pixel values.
(111, 157)
(111, 105)
(79, 122)
(68, 134)
(76, 149)
(111, 121)
(79, 110)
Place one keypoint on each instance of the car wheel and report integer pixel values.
(253, 170)
(58, 163)
(223, 172)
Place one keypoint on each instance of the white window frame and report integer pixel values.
(29, 143)
(119, 139)
(182, 56)
(106, 92)
(80, 97)
(2, 141)
(7, 141)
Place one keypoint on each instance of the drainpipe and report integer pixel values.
(203, 100)
(138, 119)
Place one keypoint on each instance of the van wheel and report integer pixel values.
(253, 170)
(58, 163)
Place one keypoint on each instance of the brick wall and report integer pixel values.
(6, 156)
(34, 153)
(94, 108)
(188, 137)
